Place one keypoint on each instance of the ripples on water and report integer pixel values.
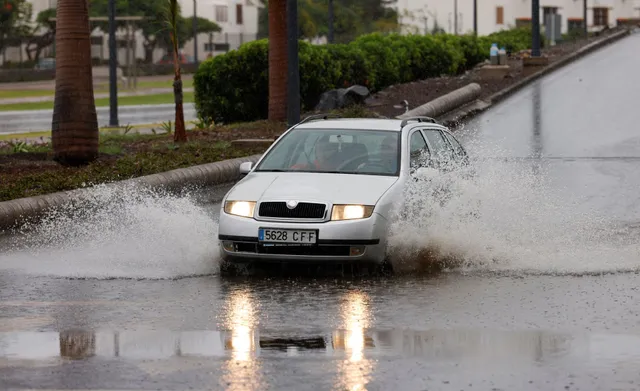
(510, 218)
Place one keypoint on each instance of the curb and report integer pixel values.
(445, 103)
(463, 114)
(16, 211)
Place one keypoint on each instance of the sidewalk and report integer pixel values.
(50, 98)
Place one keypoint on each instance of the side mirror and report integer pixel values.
(245, 168)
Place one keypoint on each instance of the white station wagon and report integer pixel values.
(324, 190)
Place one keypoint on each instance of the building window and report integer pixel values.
(221, 13)
(600, 16)
(574, 24)
(238, 13)
(546, 11)
(499, 15)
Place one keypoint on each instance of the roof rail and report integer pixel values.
(419, 119)
(318, 116)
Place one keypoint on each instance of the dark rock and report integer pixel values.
(342, 97)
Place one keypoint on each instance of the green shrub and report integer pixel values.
(234, 87)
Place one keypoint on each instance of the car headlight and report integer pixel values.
(351, 212)
(240, 208)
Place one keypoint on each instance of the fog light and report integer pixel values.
(228, 246)
(356, 250)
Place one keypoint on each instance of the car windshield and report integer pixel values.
(368, 152)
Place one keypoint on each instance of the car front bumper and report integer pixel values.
(361, 240)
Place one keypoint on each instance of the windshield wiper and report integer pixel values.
(274, 170)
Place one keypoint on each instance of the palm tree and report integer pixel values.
(277, 60)
(173, 17)
(74, 128)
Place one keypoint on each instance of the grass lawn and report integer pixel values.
(104, 102)
(29, 170)
(103, 88)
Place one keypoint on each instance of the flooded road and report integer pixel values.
(447, 332)
(124, 294)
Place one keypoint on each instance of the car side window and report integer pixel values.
(441, 149)
(419, 151)
(457, 148)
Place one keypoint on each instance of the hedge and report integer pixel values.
(233, 87)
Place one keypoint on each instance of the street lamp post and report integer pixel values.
(535, 28)
(330, 35)
(455, 17)
(584, 18)
(475, 17)
(113, 64)
(195, 33)
(293, 72)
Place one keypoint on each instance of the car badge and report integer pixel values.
(292, 204)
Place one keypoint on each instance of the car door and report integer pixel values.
(441, 151)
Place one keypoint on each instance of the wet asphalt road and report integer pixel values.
(40, 120)
(561, 312)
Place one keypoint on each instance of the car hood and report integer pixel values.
(332, 188)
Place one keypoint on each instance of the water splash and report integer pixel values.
(121, 232)
(512, 218)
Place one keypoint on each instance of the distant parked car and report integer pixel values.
(323, 192)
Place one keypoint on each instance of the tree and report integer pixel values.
(42, 35)
(14, 22)
(351, 18)
(154, 27)
(173, 16)
(278, 60)
(74, 126)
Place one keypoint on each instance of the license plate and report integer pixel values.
(287, 236)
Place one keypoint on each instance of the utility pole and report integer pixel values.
(475, 17)
(455, 17)
(535, 28)
(293, 77)
(330, 37)
(584, 18)
(113, 65)
(195, 33)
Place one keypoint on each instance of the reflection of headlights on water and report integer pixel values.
(242, 343)
(356, 315)
(241, 319)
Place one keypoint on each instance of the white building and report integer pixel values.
(239, 21)
(496, 15)
(237, 18)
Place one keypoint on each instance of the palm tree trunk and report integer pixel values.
(277, 60)
(180, 134)
(74, 128)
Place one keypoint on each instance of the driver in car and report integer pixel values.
(388, 154)
(324, 153)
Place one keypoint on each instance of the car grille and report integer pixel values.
(304, 210)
